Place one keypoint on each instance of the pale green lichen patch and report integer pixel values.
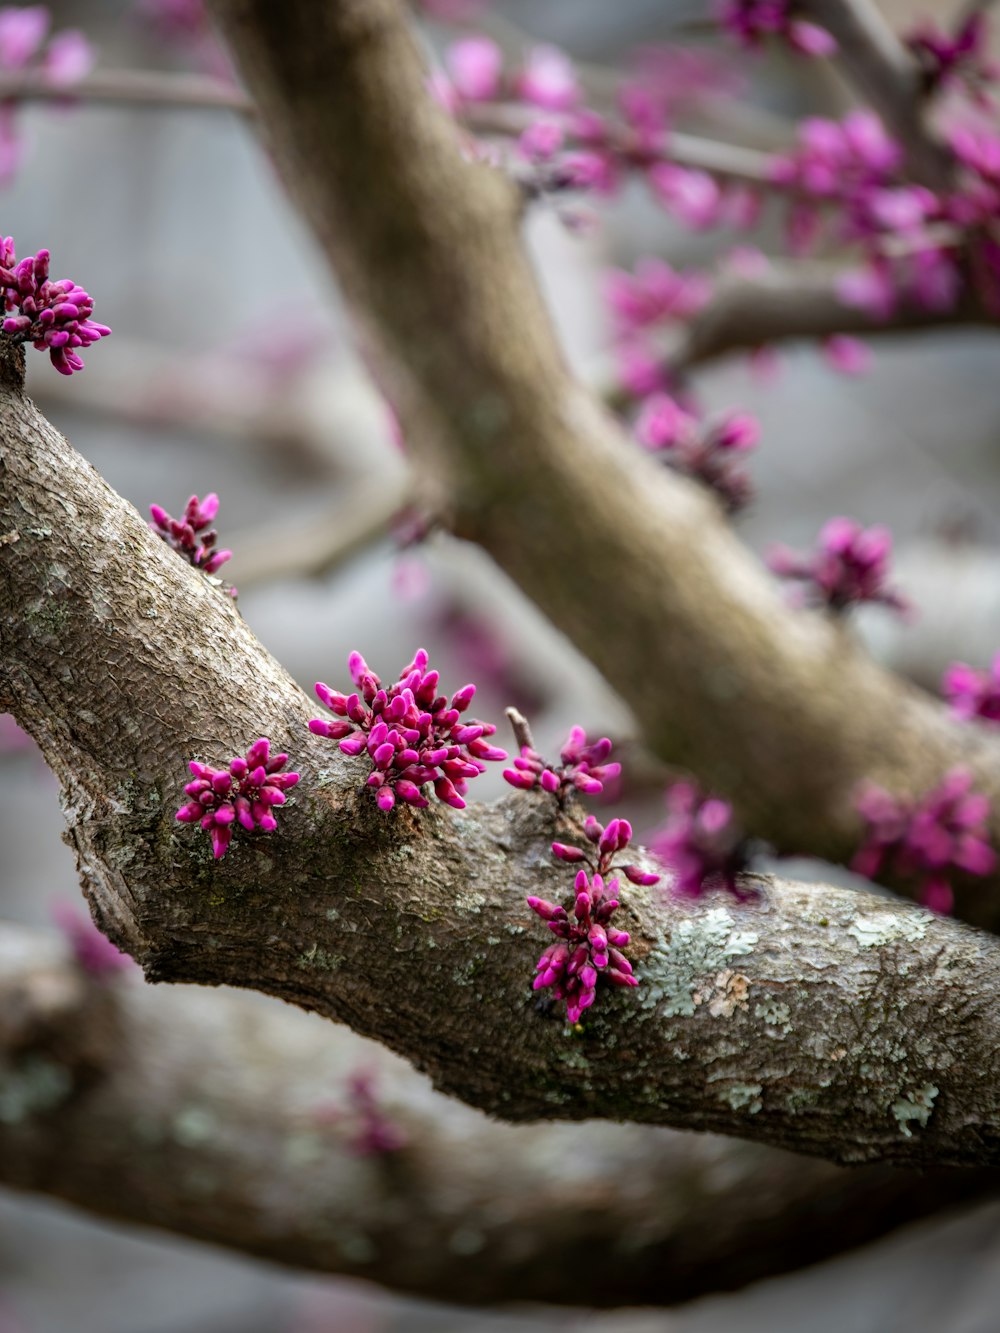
(674, 971)
(878, 928)
(915, 1106)
(316, 957)
(36, 1084)
(743, 1096)
(194, 1126)
(776, 1015)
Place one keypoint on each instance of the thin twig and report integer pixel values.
(131, 87)
(521, 728)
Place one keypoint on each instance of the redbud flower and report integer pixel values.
(701, 842)
(412, 734)
(654, 294)
(548, 80)
(246, 793)
(848, 355)
(693, 197)
(971, 693)
(928, 840)
(375, 1134)
(850, 565)
(476, 68)
(52, 316)
(584, 767)
(193, 536)
(588, 947)
(22, 32)
(948, 60)
(91, 948)
(751, 21)
(709, 452)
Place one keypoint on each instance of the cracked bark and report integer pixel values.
(219, 1117)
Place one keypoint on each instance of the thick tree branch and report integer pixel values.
(779, 710)
(219, 1118)
(806, 1017)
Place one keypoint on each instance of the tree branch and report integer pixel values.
(779, 710)
(798, 300)
(220, 1118)
(134, 88)
(806, 1017)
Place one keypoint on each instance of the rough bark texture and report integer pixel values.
(222, 1118)
(807, 1017)
(779, 710)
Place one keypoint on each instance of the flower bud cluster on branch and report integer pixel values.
(245, 793)
(58, 63)
(54, 316)
(193, 536)
(412, 734)
(588, 946)
(929, 840)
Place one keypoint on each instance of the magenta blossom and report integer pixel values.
(928, 840)
(246, 793)
(654, 294)
(711, 453)
(850, 565)
(588, 946)
(584, 767)
(193, 536)
(475, 65)
(752, 21)
(948, 61)
(973, 694)
(609, 841)
(701, 842)
(53, 316)
(91, 948)
(412, 734)
(548, 80)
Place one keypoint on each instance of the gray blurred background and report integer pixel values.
(230, 370)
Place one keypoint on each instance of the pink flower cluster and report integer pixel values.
(711, 453)
(588, 946)
(584, 767)
(246, 792)
(412, 734)
(375, 1134)
(571, 147)
(972, 693)
(851, 564)
(92, 949)
(961, 60)
(53, 316)
(193, 536)
(66, 59)
(929, 840)
(654, 294)
(546, 79)
(701, 842)
(752, 21)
